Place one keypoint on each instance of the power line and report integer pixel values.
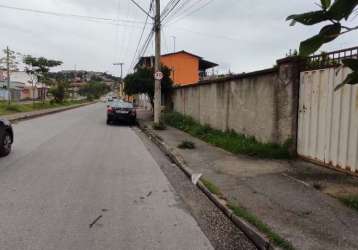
(116, 37)
(199, 8)
(146, 45)
(85, 17)
(169, 9)
(142, 9)
(182, 6)
(141, 36)
(190, 11)
(127, 32)
(185, 6)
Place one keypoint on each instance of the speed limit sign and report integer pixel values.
(158, 75)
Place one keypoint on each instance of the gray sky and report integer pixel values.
(240, 35)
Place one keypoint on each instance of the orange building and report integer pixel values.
(186, 68)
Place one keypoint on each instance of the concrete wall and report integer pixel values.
(261, 104)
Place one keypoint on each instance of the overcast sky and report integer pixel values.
(240, 35)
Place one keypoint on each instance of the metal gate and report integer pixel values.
(328, 119)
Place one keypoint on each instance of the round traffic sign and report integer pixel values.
(158, 75)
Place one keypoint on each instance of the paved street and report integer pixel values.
(74, 183)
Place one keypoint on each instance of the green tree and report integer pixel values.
(94, 90)
(59, 91)
(40, 68)
(9, 62)
(142, 82)
(333, 13)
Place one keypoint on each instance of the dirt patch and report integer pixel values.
(326, 180)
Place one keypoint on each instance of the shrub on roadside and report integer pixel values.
(186, 145)
(58, 92)
(350, 201)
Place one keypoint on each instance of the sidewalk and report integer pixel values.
(280, 193)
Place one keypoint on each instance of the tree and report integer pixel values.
(9, 62)
(94, 90)
(142, 82)
(40, 68)
(334, 13)
(59, 91)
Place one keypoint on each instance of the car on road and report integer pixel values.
(109, 101)
(120, 111)
(6, 137)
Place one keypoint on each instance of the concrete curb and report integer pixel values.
(260, 240)
(26, 116)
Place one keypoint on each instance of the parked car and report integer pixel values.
(120, 111)
(6, 137)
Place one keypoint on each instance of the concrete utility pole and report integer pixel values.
(121, 83)
(158, 75)
(173, 69)
(157, 87)
(8, 73)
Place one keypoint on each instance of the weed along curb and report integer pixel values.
(260, 240)
(20, 117)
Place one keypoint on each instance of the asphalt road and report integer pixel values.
(72, 182)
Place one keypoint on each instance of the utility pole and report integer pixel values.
(158, 75)
(157, 87)
(173, 69)
(8, 73)
(121, 83)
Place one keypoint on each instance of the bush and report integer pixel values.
(350, 201)
(186, 145)
(58, 92)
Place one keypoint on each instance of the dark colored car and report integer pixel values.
(6, 137)
(120, 111)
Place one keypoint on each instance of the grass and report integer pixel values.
(250, 218)
(264, 228)
(211, 187)
(230, 141)
(7, 109)
(186, 145)
(350, 201)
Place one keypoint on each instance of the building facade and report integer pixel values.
(186, 68)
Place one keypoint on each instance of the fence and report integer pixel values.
(327, 60)
(328, 118)
(262, 104)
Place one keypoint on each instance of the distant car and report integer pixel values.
(120, 111)
(6, 137)
(109, 101)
